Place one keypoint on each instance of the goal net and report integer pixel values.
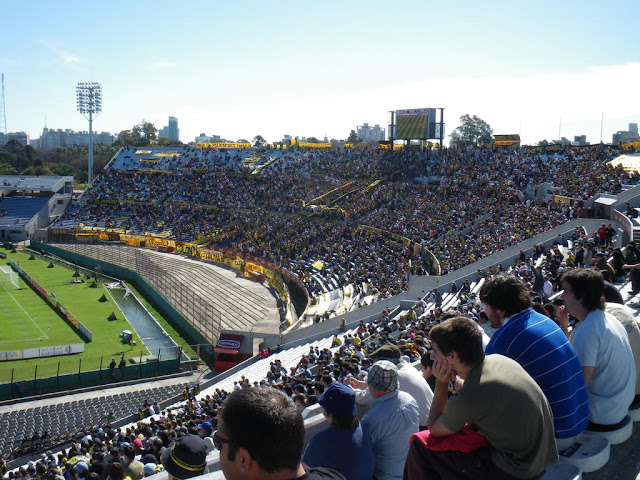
(9, 278)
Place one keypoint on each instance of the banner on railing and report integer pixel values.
(39, 352)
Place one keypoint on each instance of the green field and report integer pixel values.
(28, 321)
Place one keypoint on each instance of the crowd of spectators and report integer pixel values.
(309, 206)
(130, 453)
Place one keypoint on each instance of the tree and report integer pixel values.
(149, 132)
(124, 138)
(6, 169)
(18, 154)
(141, 135)
(353, 137)
(163, 141)
(472, 132)
(242, 140)
(313, 140)
(259, 141)
(61, 169)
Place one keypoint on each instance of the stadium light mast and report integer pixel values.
(89, 97)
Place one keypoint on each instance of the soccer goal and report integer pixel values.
(10, 279)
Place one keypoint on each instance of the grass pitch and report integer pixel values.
(28, 321)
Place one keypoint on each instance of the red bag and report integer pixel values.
(466, 440)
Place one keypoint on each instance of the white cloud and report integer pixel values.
(532, 105)
(60, 52)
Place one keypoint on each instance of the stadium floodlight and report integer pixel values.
(89, 98)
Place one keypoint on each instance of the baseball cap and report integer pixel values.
(206, 426)
(339, 399)
(81, 467)
(383, 376)
(149, 469)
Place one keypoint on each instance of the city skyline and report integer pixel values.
(546, 71)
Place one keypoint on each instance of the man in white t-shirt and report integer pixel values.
(602, 346)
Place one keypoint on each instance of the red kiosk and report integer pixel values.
(227, 351)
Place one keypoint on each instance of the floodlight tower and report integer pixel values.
(89, 96)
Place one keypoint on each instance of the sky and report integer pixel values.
(239, 69)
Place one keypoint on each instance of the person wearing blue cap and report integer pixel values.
(343, 446)
(205, 429)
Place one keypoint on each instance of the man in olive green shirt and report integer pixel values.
(497, 397)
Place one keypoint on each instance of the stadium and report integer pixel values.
(244, 263)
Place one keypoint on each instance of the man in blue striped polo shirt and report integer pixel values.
(540, 346)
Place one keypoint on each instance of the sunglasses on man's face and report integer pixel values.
(217, 441)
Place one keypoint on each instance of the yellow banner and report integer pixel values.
(224, 145)
(254, 267)
(386, 146)
(314, 145)
(143, 152)
(562, 199)
(167, 154)
(149, 160)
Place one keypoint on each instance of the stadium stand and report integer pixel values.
(22, 202)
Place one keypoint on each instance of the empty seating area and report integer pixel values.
(209, 298)
(18, 210)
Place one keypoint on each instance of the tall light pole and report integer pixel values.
(89, 96)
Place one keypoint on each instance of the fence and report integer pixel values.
(56, 373)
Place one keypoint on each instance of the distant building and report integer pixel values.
(202, 138)
(626, 136)
(580, 140)
(367, 133)
(22, 137)
(68, 138)
(171, 131)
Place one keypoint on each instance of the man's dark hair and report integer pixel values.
(587, 285)
(268, 424)
(461, 335)
(425, 360)
(129, 452)
(449, 314)
(115, 471)
(507, 293)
